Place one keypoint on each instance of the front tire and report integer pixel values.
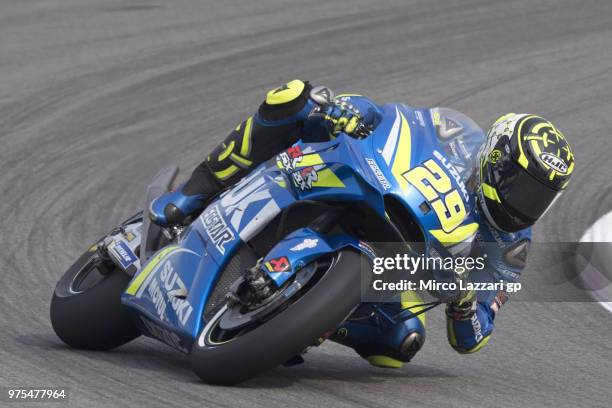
(86, 310)
(320, 309)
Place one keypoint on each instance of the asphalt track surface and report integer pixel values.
(95, 96)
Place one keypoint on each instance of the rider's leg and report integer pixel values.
(275, 127)
(379, 332)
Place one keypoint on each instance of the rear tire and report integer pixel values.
(320, 309)
(91, 317)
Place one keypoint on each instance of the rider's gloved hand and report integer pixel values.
(341, 117)
(333, 115)
(463, 307)
(174, 207)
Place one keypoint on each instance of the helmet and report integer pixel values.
(525, 164)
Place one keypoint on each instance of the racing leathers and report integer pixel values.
(383, 333)
(291, 112)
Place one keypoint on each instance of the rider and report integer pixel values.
(525, 164)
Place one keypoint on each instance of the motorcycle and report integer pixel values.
(273, 264)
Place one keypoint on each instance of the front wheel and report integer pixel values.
(86, 310)
(222, 357)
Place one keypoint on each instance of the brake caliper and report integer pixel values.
(253, 289)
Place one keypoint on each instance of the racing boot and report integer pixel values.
(174, 207)
(177, 207)
(383, 333)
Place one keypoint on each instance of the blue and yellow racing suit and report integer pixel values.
(383, 333)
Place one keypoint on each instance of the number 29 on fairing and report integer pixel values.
(436, 186)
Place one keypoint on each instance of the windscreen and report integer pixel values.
(460, 138)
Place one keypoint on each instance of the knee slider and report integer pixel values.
(411, 345)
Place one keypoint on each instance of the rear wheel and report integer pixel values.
(229, 357)
(86, 310)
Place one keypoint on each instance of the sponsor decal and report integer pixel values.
(378, 173)
(477, 328)
(516, 255)
(124, 253)
(157, 297)
(554, 162)
(453, 149)
(451, 124)
(453, 171)
(166, 336)
(307, 169)
(307, 243)
(448, 127)
(289, 159)
(304, 178)
(140, 281)
(419, 116)
(506, 273)
(280, 264)
(169, 281)
(321, 94)
(216, 228)
(495, 234)
(251, 196)
(466, 153)
(494, 156)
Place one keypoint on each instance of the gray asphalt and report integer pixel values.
(96, 95)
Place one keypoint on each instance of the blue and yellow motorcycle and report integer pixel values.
(273, 264)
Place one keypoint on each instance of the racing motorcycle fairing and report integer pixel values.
(421, 158)
(171, 290)
(303, 246)
(427, 157)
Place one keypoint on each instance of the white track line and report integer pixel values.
(600, 231)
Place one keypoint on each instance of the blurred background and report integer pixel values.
(97, 95)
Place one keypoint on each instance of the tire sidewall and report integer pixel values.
(317, 311)
(94, 319)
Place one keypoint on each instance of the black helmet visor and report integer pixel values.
(521, 193)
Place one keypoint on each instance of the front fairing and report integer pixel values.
(408, 138)
(170, 292)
